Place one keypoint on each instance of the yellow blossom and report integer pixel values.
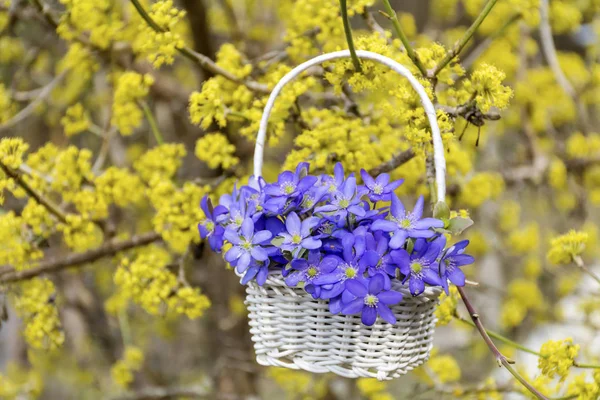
(557, 357)
(131, 88)
(565, 247)
(216, 151)
(75, 120)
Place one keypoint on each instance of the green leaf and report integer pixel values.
(458, 224)
(441, 210)
(277, 241)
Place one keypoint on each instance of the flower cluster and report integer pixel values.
(328, 233)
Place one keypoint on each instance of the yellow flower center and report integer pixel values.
(416, 267)
(377, 189)
(371, 300)
(344, 203)
(350, 272)
(312, 272)
(296, 239)
(405, 223)
(289, 188)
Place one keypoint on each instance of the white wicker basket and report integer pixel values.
(291, 329)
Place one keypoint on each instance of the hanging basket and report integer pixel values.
(291, 329)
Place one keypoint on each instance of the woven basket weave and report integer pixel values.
(291, 329)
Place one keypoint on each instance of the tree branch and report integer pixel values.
(109, 248)
(348, 32)
(397, 160)
(465, 39)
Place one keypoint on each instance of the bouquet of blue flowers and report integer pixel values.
(328, 234)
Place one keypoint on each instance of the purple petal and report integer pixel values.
(349, 187)
(376, 284)
(308, 224)
(398, 239)
(383, 179)
(431, 276)
(367, 179)
(233, 254)
(311, 243)
(299, 264)
(250, 274)
(369, 315)
(232, 236)
(294, 278)
(204, 206)
(427, 223)
(258, 253)
(356, 288)
(459, 246)
(369, 259)
(261, 236)
(418, 210)
(328, 264)
(386, 313)
(457, 277)
(306, 183)
(286, 176)
(416, 286)
(394, 185)
(248, 228)
(357, 210)
(273, 190)
(335, 305)
(203, 231)
(326, 279)
(293, 224)
(353, 307)
(462, 259)
(420, 233)
(384, 225)
(390, 297)
(261, 277)
(338, 172)
(244, 260)
(326, 208)
(397, 208)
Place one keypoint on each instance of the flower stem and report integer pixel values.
(465, 39)
(391, 14)
(498, 336)
(348, 32)
(500, 358)
(152, 122)
(579, 262)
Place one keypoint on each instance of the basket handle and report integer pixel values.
(438, 146)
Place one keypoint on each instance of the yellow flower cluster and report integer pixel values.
(557, 174)
(177, 214)
(582, 146)
(160, 163)
(19, 383)
(12, 151)
(35, 304)
(447, 307)
(523, 296)
(122, 371)
(444, 367)
(98, 18)
(7, 107)
(149, 283)
(582, 388)
(160, 47)
(299, 384)
(565, 16)
(524, 241)
(482, 187)
(37, 217)
(17, 249)
(216, 151)
(509, 215)
(80, 62)
(485, 88)
(75, 120)
(12, 49)
(120, 187)
(557, 357)
(71, 168)
(131, 88)
(80, 233)
(565, 247)
(373, 389)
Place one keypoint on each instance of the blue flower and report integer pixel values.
(247, 246)
(298, 234)
(290, 184)
(345, 199)
(371, 300)
(380, 189)
(421, 266)
(308, 270)
(405, 224)
(452, 259)
(209, 227)
(258, 270)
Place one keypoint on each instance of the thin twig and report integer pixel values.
(72, 260)
(391, 14)
(501, 359)
(202, 60)
(31, 107)
(549, 51)
(465, 39)
(40, 198)
(348, 32)
(579, 262)
(396, 161)
(152, 122)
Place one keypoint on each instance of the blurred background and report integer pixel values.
(118, 116)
